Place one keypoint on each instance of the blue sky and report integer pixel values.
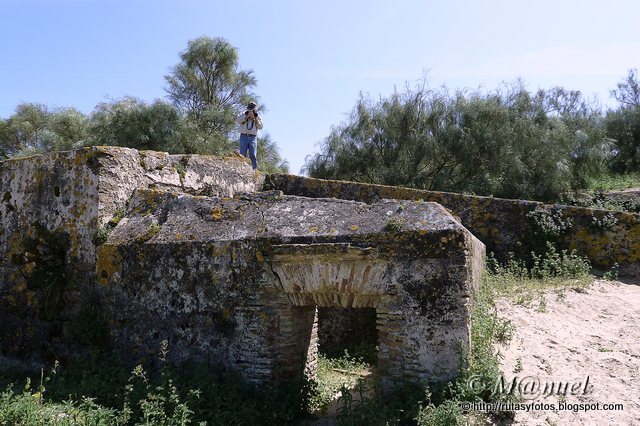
(312, 59)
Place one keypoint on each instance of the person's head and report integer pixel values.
(251, 106)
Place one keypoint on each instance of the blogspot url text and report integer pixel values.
(539, 406)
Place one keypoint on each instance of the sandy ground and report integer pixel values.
(592, 332)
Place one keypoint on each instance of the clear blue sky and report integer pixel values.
(312, 58)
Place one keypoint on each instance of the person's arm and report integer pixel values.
(258, 122)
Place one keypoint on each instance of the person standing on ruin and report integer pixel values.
(248, 125)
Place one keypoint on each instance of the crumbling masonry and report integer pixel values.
(189, 249)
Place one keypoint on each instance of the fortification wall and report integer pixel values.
(238, 280)
(605, 237)
(55, 208)
(113, 246)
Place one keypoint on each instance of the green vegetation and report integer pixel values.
(187, 394)
(394, 225)
(335, 374)
(508, 142)
(615, 182)
(102, 235)
(101, 391)
(206, 90)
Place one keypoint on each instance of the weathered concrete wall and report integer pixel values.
(122, 170)
(501, 224)
(240, 279)
(51, 211)
(132, 248)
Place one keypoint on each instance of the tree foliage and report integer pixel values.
(208, 86)
(623, 125)
(269, 156)
(206, 89)
(133, 123)
(34, 128)
(508, 143)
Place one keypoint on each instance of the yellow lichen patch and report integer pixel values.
(259, 257)
(216, 213)
(178, 236)
(313, 229)
(108, 262)
(595, 244)
(226, 313)
(354, 227)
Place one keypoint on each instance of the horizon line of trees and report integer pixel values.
(508, 142)
(206, 90)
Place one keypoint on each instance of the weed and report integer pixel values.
(610, 182)
(118, 215)
(518, 367)
(394, 225)
(445, 414)
(603, 223)
(612, 274)
(101, 391)
(549, 223)
(542, 303)
(181, 168)
(334, 374)
(101, 236)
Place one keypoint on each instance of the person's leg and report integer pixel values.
(253, 152)
(244, 145)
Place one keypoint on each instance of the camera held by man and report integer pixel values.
(251, 113)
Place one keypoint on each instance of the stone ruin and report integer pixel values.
(189, 249)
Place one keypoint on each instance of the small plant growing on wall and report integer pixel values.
(603, 223)
(101, 236)
(549, 223)
(546, 225)
(394, 225)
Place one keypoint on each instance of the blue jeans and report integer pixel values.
(250, 144)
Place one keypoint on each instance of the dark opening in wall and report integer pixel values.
(350, 329)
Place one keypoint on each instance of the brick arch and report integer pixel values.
(421, 307)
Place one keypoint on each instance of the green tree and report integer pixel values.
(623, 125)
(208, 86)
(70, 129)
(8, 141)
(210, 89)
(269, 156)
(33, 129)
(133, 123)
(30, 127)
(508, 142)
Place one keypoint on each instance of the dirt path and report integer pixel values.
(594, 333)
